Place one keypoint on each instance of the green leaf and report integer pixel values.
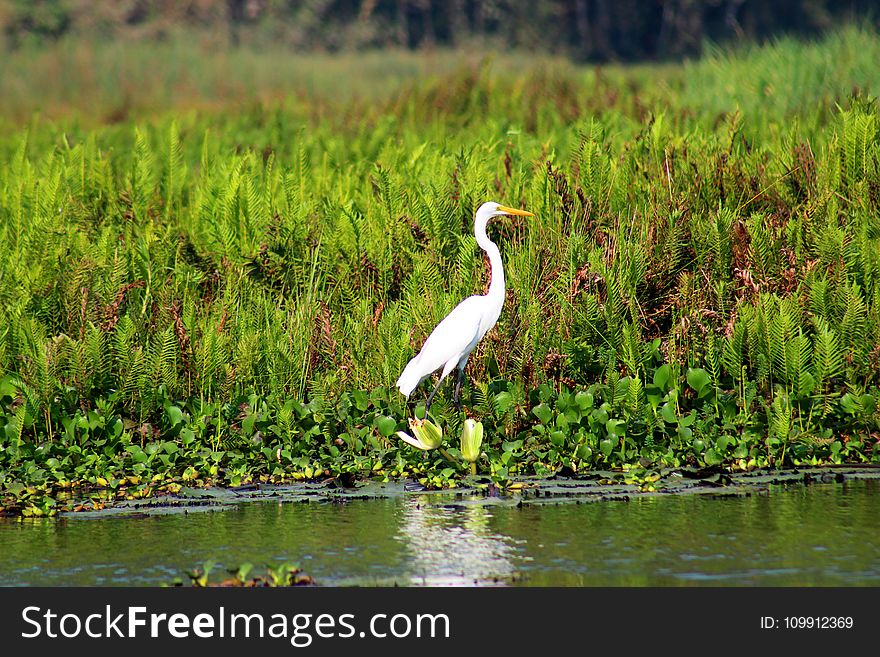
(584, 400)
(724, 442)
(543, 413)
(615, 427)
(503, 402)
(711, 457)
(661, 376)
(562, 421)
(175, 416)
(361, 400)
(7, 388)
(94, 420)
(386, 425)
(698, 379)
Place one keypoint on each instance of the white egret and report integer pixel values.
(452, 341)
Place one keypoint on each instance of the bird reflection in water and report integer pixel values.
(455, 545)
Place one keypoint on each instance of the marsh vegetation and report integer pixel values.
(222, 297)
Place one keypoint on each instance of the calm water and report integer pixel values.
(826, 534)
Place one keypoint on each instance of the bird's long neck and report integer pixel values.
(496, 286)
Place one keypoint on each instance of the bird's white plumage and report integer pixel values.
(455, 337)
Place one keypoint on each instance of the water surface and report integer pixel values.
(823, 534)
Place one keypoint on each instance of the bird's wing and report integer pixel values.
(456, 335)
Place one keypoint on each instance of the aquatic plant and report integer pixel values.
(471, 439)
(427, 434)
(283, 574)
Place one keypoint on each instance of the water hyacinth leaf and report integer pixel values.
(723, 442)
(584, 400)
(563, 402)
(615, 427)
(175, 415)
(386, 425)
(661, 377)
(543, 413)
(503, 402)
(361, 400)
(242, 571)
(545, 393)
(562, 422)
(711, 457)
(116, 428)
(654, 395)
(698, 379)
(94, 420)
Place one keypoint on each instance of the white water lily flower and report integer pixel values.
(471, 439)
(427, 434)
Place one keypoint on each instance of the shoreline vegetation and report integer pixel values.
(199, 297)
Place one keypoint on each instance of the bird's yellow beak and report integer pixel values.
(507, 210)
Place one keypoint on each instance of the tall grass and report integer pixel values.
(115, 81)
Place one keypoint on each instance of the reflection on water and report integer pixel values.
(454, 545)
(819, 535)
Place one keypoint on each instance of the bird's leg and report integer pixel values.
(431, 398)
(456, 396)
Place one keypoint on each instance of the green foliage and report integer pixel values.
(228, 298)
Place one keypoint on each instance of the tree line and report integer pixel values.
(587, 30)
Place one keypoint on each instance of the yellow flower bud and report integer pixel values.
(471, 439)
(427, 434)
